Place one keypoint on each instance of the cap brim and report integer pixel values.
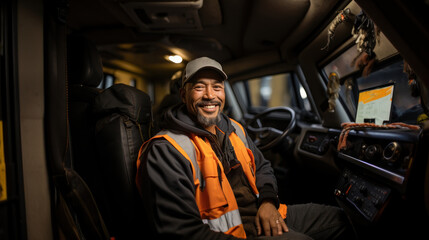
(220, 72)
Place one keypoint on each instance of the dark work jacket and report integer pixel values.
(166, 182)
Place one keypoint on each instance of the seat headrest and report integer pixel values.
(84, 62)
(124, 99)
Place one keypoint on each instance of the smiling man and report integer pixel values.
(205, 97)
(202, 177)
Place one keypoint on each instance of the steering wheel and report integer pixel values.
(268, 137)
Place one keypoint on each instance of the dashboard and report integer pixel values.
(387, 153)
(375, 165)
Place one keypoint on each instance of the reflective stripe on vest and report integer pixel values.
(187, 145)
(240, 132)
(224, 222)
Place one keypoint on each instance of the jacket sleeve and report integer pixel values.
(168, 193)
(265, 179)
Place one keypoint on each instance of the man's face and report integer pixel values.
(204, 97)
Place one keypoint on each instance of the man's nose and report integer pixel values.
(209, 94)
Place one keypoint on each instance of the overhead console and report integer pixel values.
(376, 163)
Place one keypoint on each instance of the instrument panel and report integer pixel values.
(375, 165)
(367, 197)
(387, 154)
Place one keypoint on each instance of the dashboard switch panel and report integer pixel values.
(388, 154)
(316, 143)
(367, 198)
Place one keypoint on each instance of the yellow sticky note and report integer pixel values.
(3, 186)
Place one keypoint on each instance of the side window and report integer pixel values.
(272, 91)
(133, 82)
(108, 81)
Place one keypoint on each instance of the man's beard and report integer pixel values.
(207, 122)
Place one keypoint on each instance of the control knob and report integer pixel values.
(372, 152)
(392, 151)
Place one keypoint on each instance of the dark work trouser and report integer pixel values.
(315, 221)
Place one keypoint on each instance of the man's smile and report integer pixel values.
(211, 107)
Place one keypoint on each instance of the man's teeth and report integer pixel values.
(209, 107)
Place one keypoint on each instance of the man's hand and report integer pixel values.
(270, 219)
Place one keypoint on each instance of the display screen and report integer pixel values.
(375, 105)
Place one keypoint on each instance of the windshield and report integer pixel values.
(282, 89)
(389, 70)
(404, 108)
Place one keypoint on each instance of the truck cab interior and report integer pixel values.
(334, 93)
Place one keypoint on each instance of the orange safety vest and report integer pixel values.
(219, 211)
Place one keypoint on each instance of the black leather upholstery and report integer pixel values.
(107, 129)
(121, 111)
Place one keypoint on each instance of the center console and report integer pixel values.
(376, 163)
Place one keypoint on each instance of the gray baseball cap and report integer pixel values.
(201, 63)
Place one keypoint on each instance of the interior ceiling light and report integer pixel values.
(175, 58)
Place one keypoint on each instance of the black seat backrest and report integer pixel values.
(107, 129)
(123, 122)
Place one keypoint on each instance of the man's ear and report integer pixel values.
(182, 94)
